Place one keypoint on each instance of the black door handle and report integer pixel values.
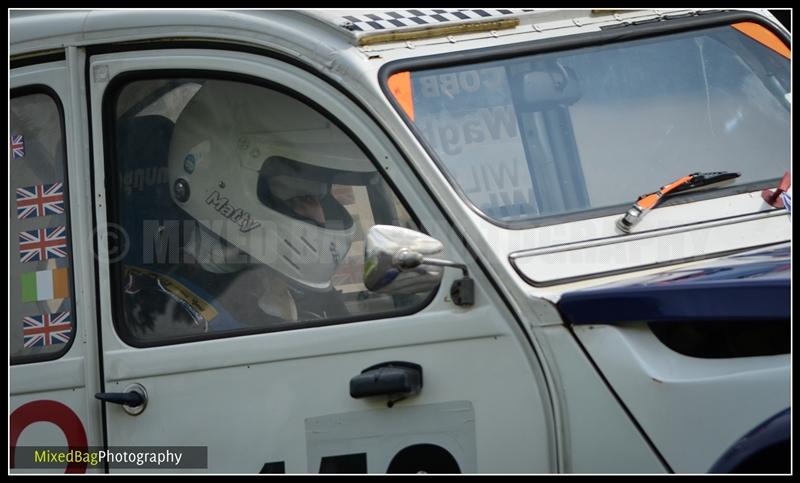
(397, 379)
(130, 398)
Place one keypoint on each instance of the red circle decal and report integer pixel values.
(50, 412)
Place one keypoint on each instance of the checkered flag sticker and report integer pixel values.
(394, 19)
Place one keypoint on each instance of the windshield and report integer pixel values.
(581, 131)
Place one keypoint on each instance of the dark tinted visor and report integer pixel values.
(280, 180)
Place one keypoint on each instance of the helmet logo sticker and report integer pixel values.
(189, 163)
(334, 253)
(236, 215)
(194, 156)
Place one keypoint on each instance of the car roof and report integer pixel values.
(46, 30)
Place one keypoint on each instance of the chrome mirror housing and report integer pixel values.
(394, 260)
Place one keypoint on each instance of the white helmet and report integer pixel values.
(247, 162)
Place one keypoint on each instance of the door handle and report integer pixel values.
(133, 400)
(396, 379)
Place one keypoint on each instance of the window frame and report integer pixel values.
(43, 89)
(113, 212)
(606, 36)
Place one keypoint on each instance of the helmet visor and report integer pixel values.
(303, 191)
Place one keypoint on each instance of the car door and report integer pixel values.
(193, 296)
(52, 335)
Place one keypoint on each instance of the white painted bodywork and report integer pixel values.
(687, 404)
(540, 404)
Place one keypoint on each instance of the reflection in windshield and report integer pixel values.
(566, 132)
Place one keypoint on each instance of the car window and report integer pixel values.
(242, 209)
(541, 137)
(42, 316)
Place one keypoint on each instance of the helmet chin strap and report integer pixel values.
(277, 300)
(210, 253)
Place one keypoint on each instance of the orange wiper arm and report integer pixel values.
(647, 202)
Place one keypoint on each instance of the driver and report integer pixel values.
(263, 233)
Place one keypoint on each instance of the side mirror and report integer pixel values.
(550, 86)
(398, 261)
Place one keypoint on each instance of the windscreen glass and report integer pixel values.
(576, 132)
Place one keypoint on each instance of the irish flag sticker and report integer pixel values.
(45, 285)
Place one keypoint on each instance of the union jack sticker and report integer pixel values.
(42, 244)
(40, 200)
(46, 329)
(17, 146)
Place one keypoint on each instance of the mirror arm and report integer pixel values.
(446, 263)
(406, 259)
(462, 292)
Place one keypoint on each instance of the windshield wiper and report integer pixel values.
(647, 202)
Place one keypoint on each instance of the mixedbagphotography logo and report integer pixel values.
(117, 457)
